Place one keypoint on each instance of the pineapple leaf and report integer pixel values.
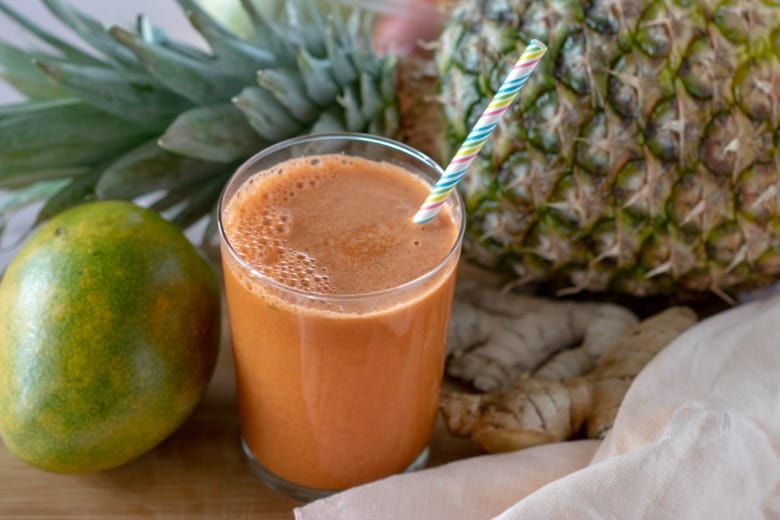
(387, 85)
(343, 71)
(217, 133)
(288, 88)
(240, 57)
(80, 188)
(19, 109)
(282, 44)
(174, 199)
(312, 34)
(317, 28)
(154, 35)
(94, 34)
(329, 121)
(148, 32)
(266, 115)
(197, 80)
(317, 77)
(369, 95)
(186, 206)
(69, 52)
(363, 59)
(251, 11)
(149, 168)
(15, 200)
(139, 82)
(65, 133)
(12, 180)
(352, 111)
(390, 122)
(19, 71)
(116, 93)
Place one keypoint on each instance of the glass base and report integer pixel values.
(305, 494)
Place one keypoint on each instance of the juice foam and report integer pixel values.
(336, 225)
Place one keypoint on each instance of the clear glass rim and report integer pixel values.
(343, 136)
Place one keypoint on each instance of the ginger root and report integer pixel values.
(534, 411)
(494, 337)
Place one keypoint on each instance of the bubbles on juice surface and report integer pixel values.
(258, 231)
(300, 271)
(354, 217)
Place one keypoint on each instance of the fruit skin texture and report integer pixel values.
(109, 332)
(642, 155)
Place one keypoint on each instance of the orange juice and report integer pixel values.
(338, 308)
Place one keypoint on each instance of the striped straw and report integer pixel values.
(479, 134)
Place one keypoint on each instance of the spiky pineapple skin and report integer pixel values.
(641, 157)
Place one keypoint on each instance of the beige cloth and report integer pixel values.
(697, 436)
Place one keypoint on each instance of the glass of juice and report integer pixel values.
(338, 307)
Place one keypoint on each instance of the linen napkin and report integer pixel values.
(697, 436)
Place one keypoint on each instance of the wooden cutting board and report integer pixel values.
(199, 472)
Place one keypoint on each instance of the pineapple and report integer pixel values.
(640, 158)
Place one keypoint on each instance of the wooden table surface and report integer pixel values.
(199, 472)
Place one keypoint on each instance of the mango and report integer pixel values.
(109, 332)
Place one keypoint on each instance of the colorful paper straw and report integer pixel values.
(481, 131)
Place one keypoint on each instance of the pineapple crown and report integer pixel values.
(145, 114)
